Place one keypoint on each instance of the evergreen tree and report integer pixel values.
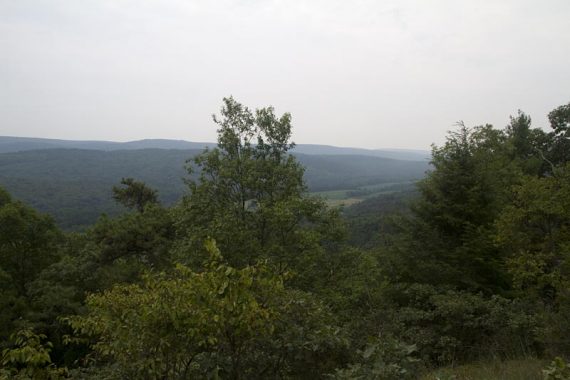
(449, 238)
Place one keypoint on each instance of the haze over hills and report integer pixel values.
(73, 180)
(17, 144)
(396, 154)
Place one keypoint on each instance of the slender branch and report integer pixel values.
(552, 166)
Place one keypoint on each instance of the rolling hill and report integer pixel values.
(74, 185)
(18, 144)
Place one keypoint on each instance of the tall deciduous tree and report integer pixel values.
(250, 195)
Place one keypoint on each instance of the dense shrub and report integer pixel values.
(449, 326)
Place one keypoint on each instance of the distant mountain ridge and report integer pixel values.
(9, 144)
(395, 154)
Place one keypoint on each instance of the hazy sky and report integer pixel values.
(352, 73)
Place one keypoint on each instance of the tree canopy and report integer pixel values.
(249, 276)
(250, 195)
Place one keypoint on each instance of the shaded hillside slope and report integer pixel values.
(331, 172)
(75, 185)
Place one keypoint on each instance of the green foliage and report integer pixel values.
(369, 222)
(352, 282)
(307, 340)
(477, 269)
(144, 237)
(28, 244)
(535, 233)
(449, 238)
(528, 145)
(451, 326)
(560, 120)
(559, 147)
(535, 230)
(250, 196)
(113, 251)
(231, 322)
(135, 195)
(383, 359)
(160, 328)
(557, 370)
(29, 358)
(5, 198)
(525, 368)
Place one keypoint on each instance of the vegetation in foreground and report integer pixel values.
(249, 277)
(522, 369)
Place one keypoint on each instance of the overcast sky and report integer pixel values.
(373, 74)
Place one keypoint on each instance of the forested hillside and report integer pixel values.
(74, 186)
(464, 276)
(9, 144)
